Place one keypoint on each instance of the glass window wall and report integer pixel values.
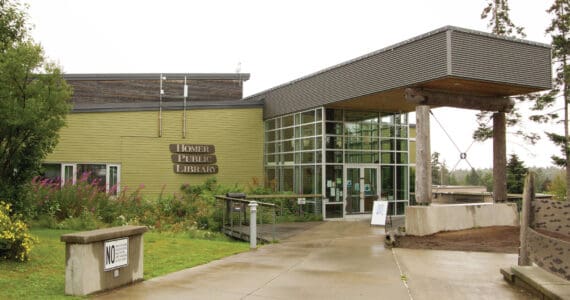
(298, 146)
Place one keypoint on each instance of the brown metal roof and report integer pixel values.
(449, 59)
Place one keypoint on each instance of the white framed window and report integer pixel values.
(68, 174)
(107, 176)
(113, 182)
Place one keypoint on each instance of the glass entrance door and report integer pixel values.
(361, 188)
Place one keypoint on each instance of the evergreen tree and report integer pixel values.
(33, 105)
(487, 180)
(435, 169)
(453, 179)
(439, 171)
(472, 178)
(516, 172)
(559, 31)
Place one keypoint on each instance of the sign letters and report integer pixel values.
(193, 159)
(116, 254)
(195, 169)
(191, 148)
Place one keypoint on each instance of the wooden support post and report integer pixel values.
(440, 98)
(499, 157)
(528, 197)
(423, 156)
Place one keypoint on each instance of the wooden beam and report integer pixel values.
(438, 98)
(499, 157)
(423, 156)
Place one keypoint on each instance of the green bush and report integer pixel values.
(15, 240)
(86, 205)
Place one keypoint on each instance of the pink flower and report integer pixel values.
(84, 176)
(113, 190)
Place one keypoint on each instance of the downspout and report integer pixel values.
(160, 107)
(185, 96)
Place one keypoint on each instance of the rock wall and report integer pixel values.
(551, 215)
(549, 253)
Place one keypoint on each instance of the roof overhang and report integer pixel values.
(450, 60)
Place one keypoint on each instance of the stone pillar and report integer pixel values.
(423, 155)
(499, 157)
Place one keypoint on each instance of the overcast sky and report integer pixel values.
(275, 41)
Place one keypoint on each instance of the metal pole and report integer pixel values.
(261, 221)
(274, 220)
(253, 225)
(231, 215)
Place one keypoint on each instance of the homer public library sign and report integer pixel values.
(193, 159)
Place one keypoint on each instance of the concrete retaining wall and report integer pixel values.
(426, 220)
(84, 253)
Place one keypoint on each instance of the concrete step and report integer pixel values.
(508, 275)
(539, 281)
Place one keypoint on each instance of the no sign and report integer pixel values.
(116, 254)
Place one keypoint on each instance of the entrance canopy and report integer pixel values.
(445, 62)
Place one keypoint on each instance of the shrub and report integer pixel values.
(15, 239)
(557, 187)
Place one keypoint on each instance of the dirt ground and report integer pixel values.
(499, 239)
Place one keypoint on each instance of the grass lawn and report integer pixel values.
(43, 276)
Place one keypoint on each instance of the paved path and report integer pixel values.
(335, 260)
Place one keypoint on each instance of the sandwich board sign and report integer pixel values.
(379, 212)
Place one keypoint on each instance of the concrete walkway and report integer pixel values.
(335, 260)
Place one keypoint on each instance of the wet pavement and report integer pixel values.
(335, 260)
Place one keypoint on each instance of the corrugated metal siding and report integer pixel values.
(130, 139)
(422, 60)
(491, 59)
(448, 51)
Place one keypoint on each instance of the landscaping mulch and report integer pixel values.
(497, 239)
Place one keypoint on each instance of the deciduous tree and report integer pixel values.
(33, 105)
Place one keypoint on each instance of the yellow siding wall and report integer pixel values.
(131, 140)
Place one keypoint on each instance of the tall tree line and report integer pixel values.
(497, 14)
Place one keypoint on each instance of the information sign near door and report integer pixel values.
(379, 213)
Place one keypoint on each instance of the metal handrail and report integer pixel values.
(285, 196)
(244, 200)
(227, 209)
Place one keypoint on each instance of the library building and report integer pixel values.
(342, 132)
